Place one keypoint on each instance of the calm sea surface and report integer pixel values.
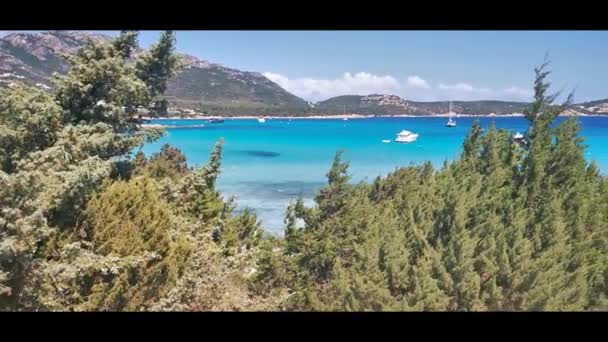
(268, 164)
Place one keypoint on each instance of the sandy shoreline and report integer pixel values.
(343, 116)
(320, 117)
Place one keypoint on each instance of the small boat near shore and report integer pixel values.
(386, 141)
(215, 121)
(261, 120)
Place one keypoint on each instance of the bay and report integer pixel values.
(266, 165)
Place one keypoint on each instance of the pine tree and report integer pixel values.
(471, 142)
(126, 43)
(100, 87)
(515, 262)
(394, 257)
(331, 198)
(425, 294)
(131, 219)
(549, 270)
(242, 232)
(459, 261)
(157, 65)
(168, 162)
(29, 121)
(140, 161)
(197, 195)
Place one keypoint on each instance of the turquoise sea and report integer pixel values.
(266, 165)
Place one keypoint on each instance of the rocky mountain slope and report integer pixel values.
(203, 87)
(216, 89)
(33, 58)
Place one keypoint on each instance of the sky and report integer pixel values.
(416, 65)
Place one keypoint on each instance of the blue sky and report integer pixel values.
(417, 65)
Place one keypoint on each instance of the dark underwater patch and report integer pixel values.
(258, 153)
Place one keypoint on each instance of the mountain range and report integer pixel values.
(203, 87)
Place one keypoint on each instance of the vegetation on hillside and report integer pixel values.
(205, 88)
(355, 104)
(199, 85)
(86, 227)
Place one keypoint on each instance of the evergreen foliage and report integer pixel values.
(504, 228)
(126, 43)
(29, 121)
(169, 162)
(83, 227)
(158, 64)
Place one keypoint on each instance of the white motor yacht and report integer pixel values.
(406, 137)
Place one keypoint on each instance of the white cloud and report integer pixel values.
(361, 83)
(461, 86)
(416, 81)
(416, 88)
(467, 92)
(462, 91)
(520, 93)
(278, 79)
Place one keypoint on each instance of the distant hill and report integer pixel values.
(375, 104)
(213, 88)
(208, 88)
(201, 85)
(593, 107)
(33, 58)
(394, 105)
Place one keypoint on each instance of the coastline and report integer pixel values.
(341, 116)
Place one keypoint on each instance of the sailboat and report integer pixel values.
(344, 114)
(451, 123)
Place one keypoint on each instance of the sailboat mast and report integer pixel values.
(450, 110)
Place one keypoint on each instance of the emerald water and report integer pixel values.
(266, 165)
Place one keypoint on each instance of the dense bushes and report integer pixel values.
(85, 227)
(505, 227)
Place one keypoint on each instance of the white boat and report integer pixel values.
(345, 119)
(518, 138)
(386, 141)
(451, 123)
(406, 137)
(261, 120)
